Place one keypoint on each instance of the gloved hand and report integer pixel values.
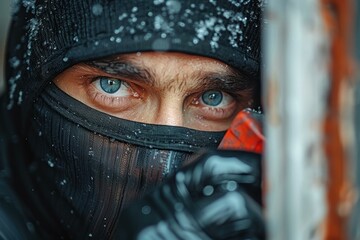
(216, 197)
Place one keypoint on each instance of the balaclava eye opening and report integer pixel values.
(85, 166)
(48, 36)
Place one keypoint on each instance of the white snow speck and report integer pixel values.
(97, 9)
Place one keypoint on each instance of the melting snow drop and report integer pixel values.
(231, 186)
(208, 190)
(158, 22)
(213, 2)
(147, 36)
(134, 9)
(50, 163)
(157, 2)
(173, 6)
(122, 16)
(91, 152)
(63, 182)
(20, 98)
(133, 18)
(97, 9)
(146, 210)
(235, 2)
(14, 62)
(33, 31)
(119, 30)
(29, 4)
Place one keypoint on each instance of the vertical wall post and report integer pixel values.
(309, 124)
(296, 83)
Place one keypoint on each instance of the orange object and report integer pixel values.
(339, 17)
(245, 133)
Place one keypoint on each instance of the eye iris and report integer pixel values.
(212, 98)
(110, 85)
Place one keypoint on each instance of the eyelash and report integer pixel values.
(106, 99)
(216, 112)
(109, 101)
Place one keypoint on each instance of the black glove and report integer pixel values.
(216, 197)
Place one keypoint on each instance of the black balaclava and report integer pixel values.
(81, 166)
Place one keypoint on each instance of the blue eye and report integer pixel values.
(110, 85)
(113, 86)
(212, 97)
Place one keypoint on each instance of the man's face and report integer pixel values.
(161, 88)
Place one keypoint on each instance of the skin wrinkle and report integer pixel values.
(181, 85)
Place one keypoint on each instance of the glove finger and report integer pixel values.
(225, 161)
(220, 163)
(230, 214)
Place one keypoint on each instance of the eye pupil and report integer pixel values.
(110, 85)
(212, 98)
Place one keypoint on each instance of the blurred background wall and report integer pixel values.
(354, 226)
(5, 12)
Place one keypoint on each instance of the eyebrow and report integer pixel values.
(227, 82)
(231, 81)
(123, 67)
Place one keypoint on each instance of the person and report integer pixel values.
(113, 113)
